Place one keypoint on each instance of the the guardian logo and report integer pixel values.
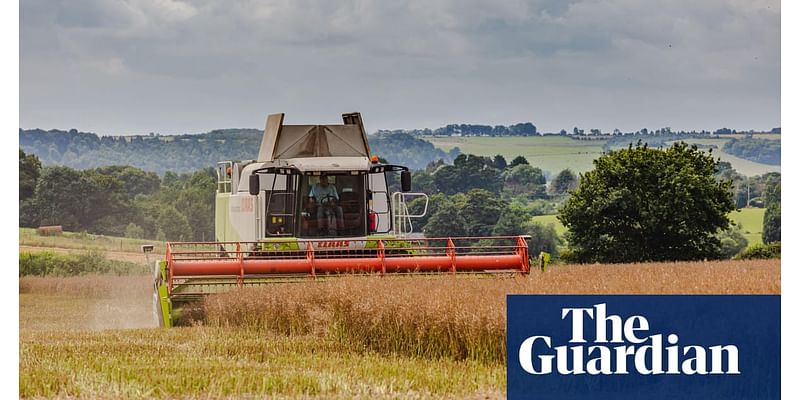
(621, 346)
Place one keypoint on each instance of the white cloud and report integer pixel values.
(615, 63)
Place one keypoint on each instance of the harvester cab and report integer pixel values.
(316, 202)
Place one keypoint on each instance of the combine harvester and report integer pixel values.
(316, 203)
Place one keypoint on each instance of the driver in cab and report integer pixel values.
(326, 197)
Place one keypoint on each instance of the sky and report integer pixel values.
(138, 66)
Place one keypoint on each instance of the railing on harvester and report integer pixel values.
(402, 224)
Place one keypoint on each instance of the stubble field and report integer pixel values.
(367, 337)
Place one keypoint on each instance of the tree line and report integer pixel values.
(763, 151)
(490, 195)
(189, 153)
(118, 200)
(520, 129)
(485, 196)
(638, 204)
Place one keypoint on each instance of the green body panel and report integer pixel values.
(372, 242)
(163, 296)
(278, 244)
(291, 243)
(544, 260)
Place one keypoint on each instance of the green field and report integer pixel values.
(555, 153)
(551, 219)
(550, 153)
(751, 219)
(87, 241)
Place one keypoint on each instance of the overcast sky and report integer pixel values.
(139, 66)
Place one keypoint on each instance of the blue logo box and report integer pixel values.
(643, 347)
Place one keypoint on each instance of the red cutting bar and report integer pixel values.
(467, 263)
(215, 263)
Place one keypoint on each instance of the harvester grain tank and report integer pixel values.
(316, 203)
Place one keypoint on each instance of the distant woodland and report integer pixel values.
(759, 150)
(192, 152)
(189, 153)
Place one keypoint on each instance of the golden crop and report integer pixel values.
(352, 337)
(458, 317)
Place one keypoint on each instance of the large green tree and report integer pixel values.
(134, 180)
(474, 213)
(29, 170)
(447, 221)
(524, 178)
(642, 204)
(60, 199)
(481, 211)
(542, 237)
(468, 172)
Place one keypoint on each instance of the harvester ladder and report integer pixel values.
(402, 224)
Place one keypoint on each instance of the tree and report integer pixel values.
(772, 190)
(468, 172)
(134, 231)
(29, 169)
(772, 216)
(563, 182)
(543, 238)
(518, 160)
(60, 198)
(732, 241)
(481, 211)
(446, 221)
(134, 180)
(196, 202)
(512, 221)
(174, 225)
(500, 162)
(642, 204)
(422, 181)
(524, 178)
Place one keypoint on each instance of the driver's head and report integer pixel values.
(323, 180)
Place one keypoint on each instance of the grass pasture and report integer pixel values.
(752, 222)
(115, 248)
(751, 219)
(550, 153)
(555, 153)
(354, 337)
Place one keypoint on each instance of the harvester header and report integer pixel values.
(316, 203)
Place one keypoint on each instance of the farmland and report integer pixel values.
(555, 153)
(550, 153)
(115, 248)
(365, 337)
(746, 167)
(751, 220)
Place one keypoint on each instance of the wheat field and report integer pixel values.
(350, 337)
